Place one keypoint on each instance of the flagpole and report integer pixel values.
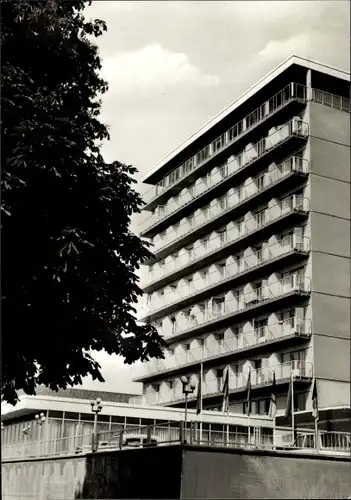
(201, 379)
(292, 406)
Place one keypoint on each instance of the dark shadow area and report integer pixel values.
(153, 472)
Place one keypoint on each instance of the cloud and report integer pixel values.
(152, 66)
(281, 49)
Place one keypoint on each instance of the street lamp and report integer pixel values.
(96, 407)
(2, 426)
(187, 389)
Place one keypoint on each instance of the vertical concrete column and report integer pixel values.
(309, 85)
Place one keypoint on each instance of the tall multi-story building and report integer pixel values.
(250, 222)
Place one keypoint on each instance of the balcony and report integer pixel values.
(262, 225)
(234, 137)
(216, 313)
(257, 264)
(245, 164)
(234, 346)
(223, 212)
(302, 372)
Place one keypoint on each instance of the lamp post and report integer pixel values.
(39, 419)
(187, 389)
(96, 407)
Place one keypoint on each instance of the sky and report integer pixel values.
(173, 65)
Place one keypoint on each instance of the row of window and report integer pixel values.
(284, 239)
(237, 369)
(218, 303)
(258, 183)
(210, 211)
(227, 137)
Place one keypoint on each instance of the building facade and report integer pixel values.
(250, 225)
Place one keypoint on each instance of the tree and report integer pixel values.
(68, 255)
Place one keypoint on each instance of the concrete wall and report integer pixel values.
(218, 474)
(330, 244)
(177, 472)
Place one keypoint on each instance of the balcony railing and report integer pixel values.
(232, 343)
(238, 268)
(227, 237)
(292, 92)
(199, 433)
(294, 127)
(212, 385)
(216, 308)
(187, 228)
(331, 100)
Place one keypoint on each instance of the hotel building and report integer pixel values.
(250, 225)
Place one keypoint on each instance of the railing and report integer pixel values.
(293, 91)
(199, 284)
(198, 433)
(242, 228)
(331, 100)
(213, 386)
(223, 173)
(216, 308)
(234, 342)
(294, 127)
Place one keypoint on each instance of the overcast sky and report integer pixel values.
(171, 66)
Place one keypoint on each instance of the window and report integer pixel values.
(222, 202)
(191, 191)
(206, 211)
(156, 387)
(174, 324)
(287, 317)
(239, 223)
(258, 250)
(218, 143)
(175, 257)
(176, 228)
(260, 217)
(174, 176)
(207, 179)
(260, 180)
(219, 375)
(222, 236)
(187, 347)
(220, 339)
(237, 369)
(190, 284)
(170, 384)
(191, 221)
(188, 166)
(223, 171)
(235, 131)
(205, 275)
(286, 238)
(190, 251)
(222, 270)
(218, 305)
(205, 242)
(263, 406)
(202, 155)
(261, 327)
(237, 331)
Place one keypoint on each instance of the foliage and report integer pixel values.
(68, 255)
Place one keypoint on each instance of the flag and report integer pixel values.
(248, 392)
(199, 394)
(288, 409)
(273, 402)
(315, 412)
(225, 391)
